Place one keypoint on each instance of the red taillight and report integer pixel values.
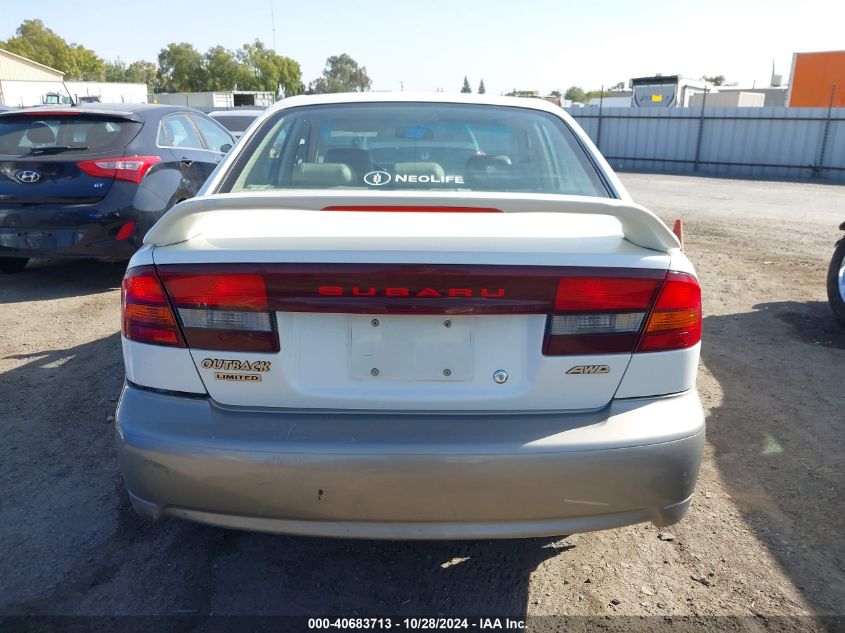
(147, 317)
(600, 315)
(675, 321)
(226, 311)
(128, 168)
(234, 291)
(125, 231)
(597, 294)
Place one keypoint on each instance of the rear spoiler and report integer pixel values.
(185, 221)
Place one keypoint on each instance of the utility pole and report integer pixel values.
(273, 23)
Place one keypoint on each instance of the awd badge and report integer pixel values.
(589, 369)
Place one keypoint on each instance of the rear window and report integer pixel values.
(402, 146)
(56, 134)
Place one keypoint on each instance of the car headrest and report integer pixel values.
(321, 175)
(39, 133)
(99, 135)
(493, 173)
(358, 160)
(419, 169)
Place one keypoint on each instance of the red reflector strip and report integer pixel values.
(413, 209)
(125, 231)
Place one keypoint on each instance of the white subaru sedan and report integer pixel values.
(411, 317)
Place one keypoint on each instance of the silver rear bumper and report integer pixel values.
(407, 476)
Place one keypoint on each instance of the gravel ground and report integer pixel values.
(764, 537)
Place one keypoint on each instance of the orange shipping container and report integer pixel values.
(813, 78)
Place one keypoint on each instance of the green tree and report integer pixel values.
(115, 71)
(180, 69)
(341, 74)
(575, 93)
(556, 93)
(716, 80)
(143, 72)
(481, 89)
(594, 94)
(35, 41)
(465, 87)
(264, 69)
(89, 67)
(223, 71)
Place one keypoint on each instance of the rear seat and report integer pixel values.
(321, 175)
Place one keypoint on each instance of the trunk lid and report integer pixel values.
(405, 311)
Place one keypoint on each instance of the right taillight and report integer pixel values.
(623, 314)
(600, 314)
(147, 317)
(675, 320)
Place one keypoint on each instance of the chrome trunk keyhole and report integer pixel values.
(500, 376)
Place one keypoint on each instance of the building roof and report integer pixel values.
(16, 67)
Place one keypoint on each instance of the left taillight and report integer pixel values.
(127, 168)
(146, 313)
(227, 311)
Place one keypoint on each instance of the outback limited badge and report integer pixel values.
(236, 370)
(589, 369)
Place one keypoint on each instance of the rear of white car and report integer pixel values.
(318, 354)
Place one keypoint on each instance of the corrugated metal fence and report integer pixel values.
(748, 142)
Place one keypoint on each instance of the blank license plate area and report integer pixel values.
(410, 348)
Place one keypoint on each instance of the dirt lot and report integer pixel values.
(765, 536)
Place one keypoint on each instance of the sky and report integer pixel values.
(429, 45)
